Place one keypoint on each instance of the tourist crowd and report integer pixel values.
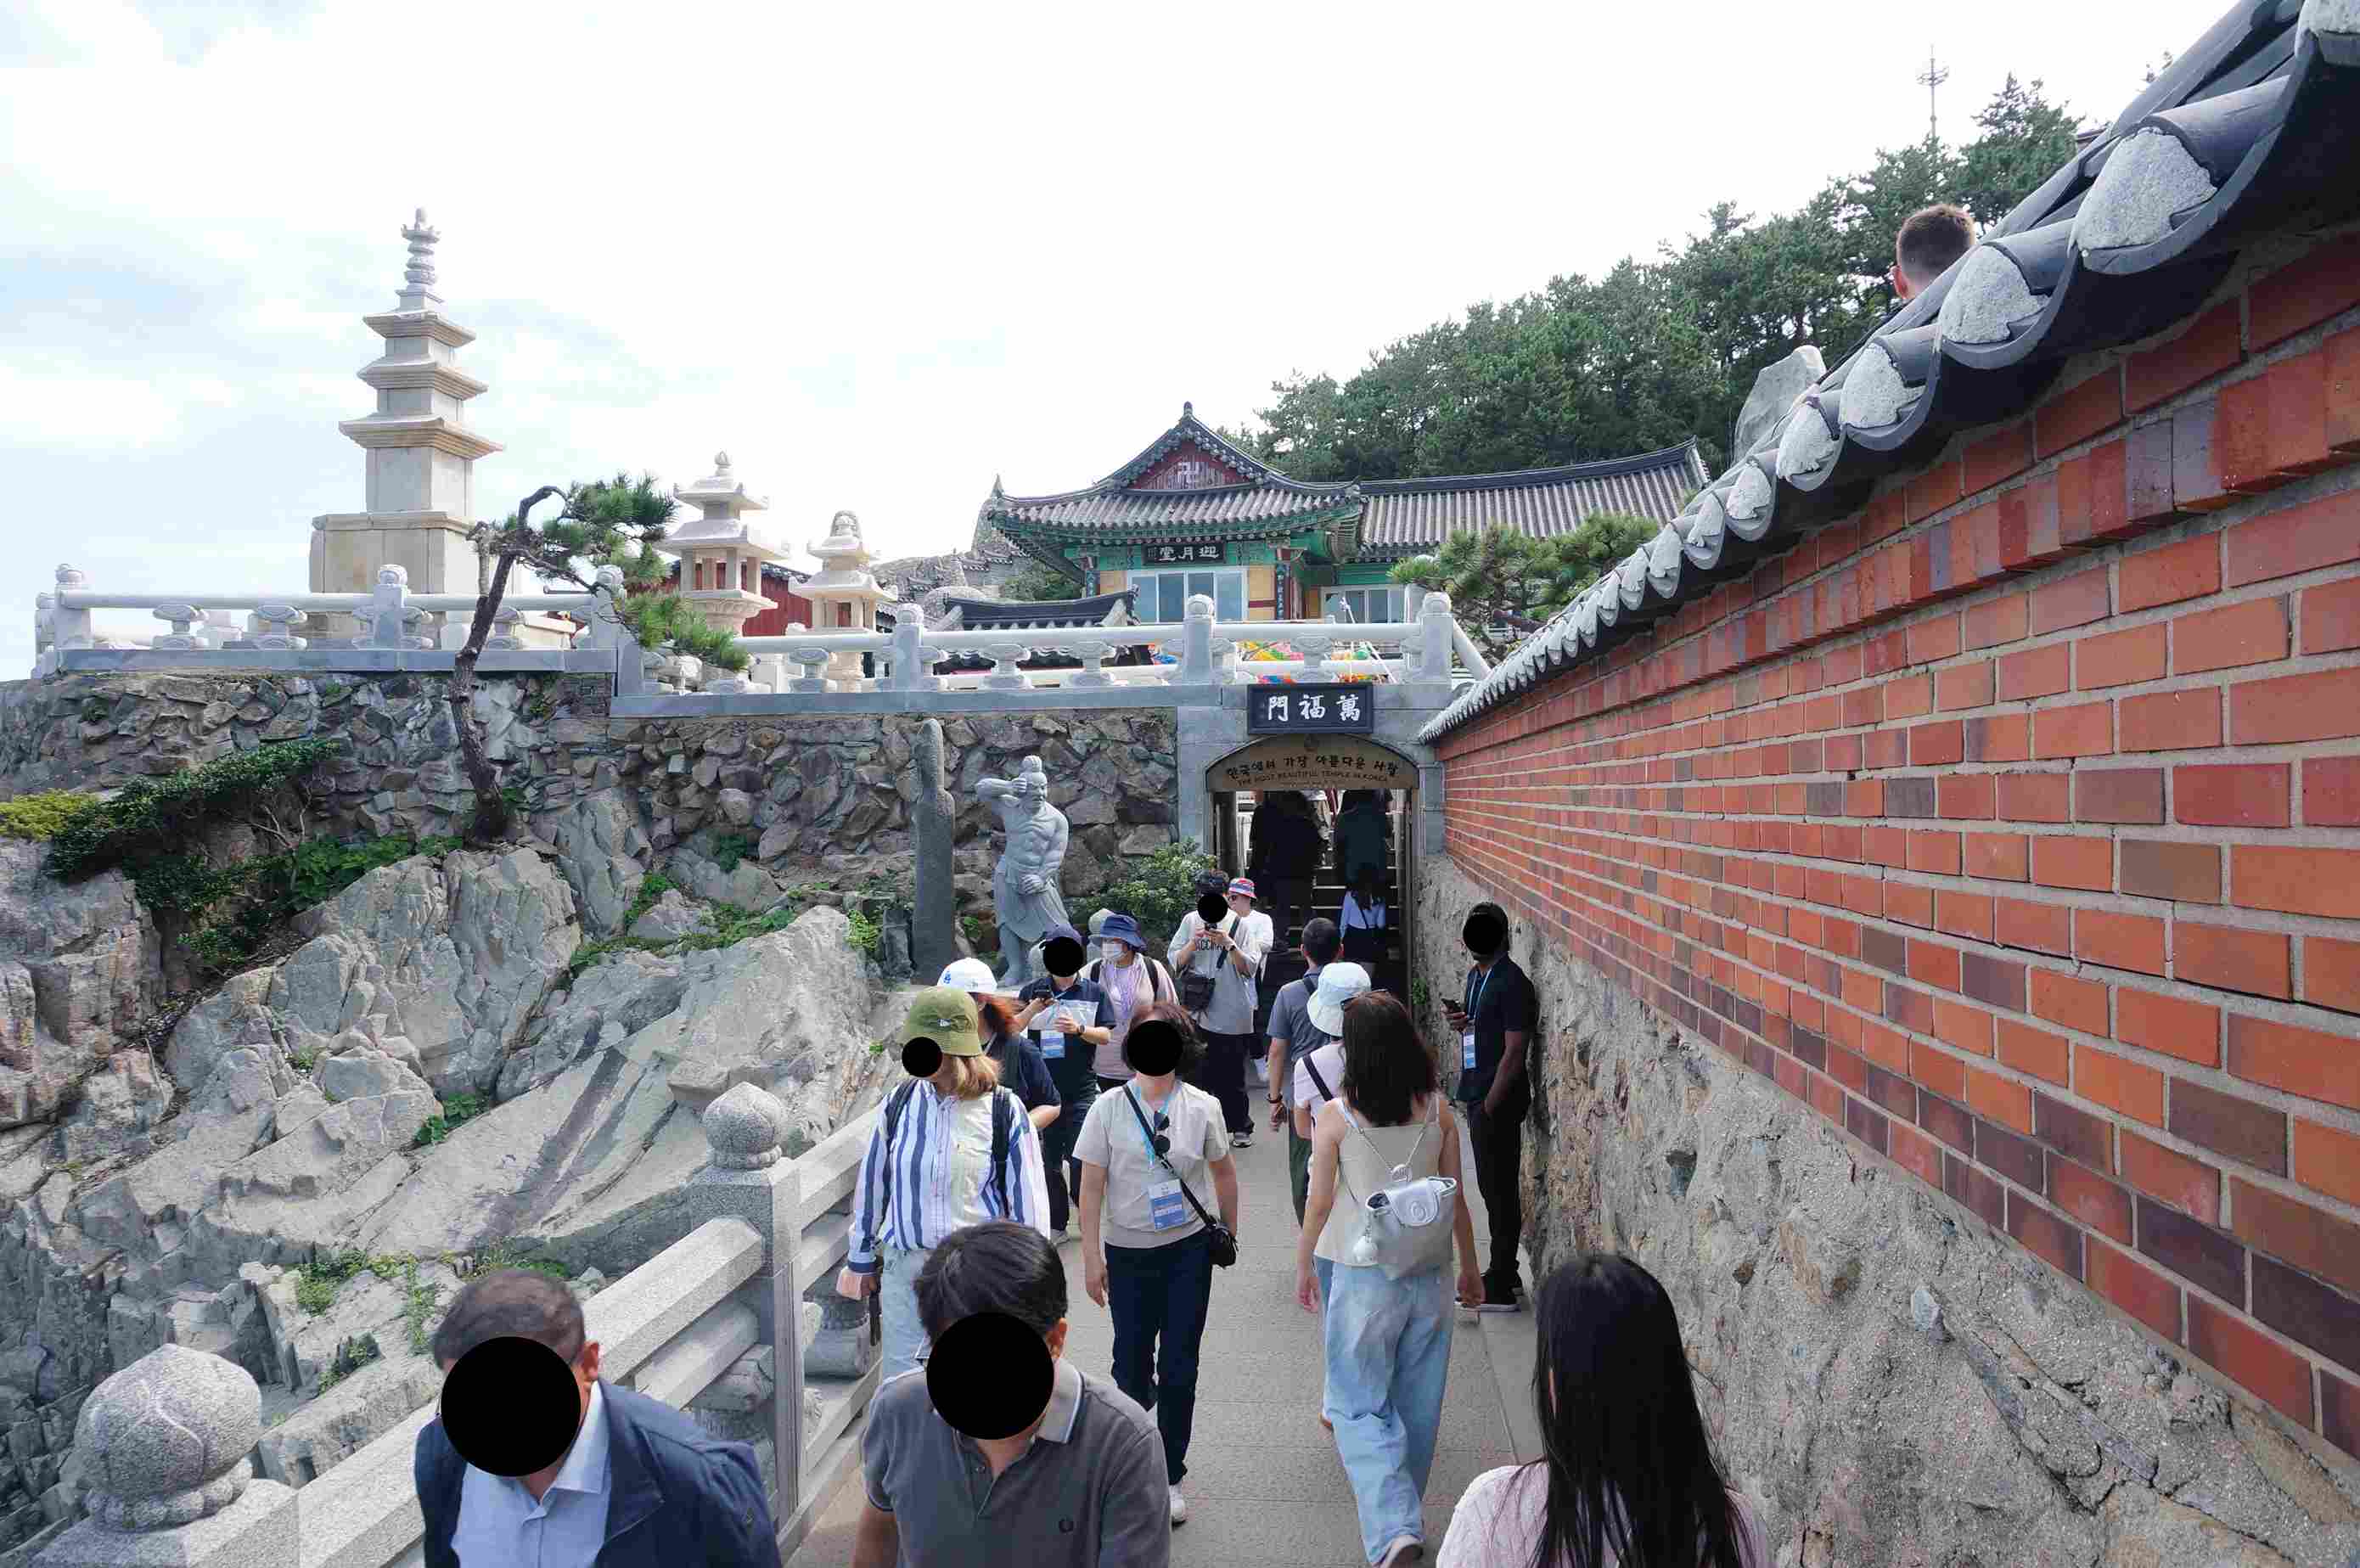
(1089, 1106)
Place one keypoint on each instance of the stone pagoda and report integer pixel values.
(422, 455)
(721, 551)
(843, 596)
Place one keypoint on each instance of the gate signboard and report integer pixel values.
(1312, 761)
(1342, 708)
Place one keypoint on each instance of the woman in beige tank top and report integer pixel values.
(1387, 1341)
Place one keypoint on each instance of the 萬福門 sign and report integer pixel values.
(1311, 710)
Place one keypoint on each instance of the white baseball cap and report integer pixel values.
(969, 974)
(1339, 984)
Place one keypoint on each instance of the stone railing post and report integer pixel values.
(70, 628)
(751, 1178)
(384, 623)
(1005, 676)
(274, 626)
(912, 670)
(45, 655)
(504, 639)
(1434, 641)
(164, 1445)
(1314, 651)
(184, 619)
(813, 661)
(609, 631)
(1093, 656)
(1196, 642)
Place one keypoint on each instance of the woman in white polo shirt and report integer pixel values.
(1145, 1254)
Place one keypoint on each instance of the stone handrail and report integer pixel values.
(402, 630)
(713, 1324)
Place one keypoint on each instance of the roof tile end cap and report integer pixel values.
(2149, 178)
(1987, 298)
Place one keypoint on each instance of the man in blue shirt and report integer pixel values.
(1068, 1018)
(640, 1485)
(1491, 1027)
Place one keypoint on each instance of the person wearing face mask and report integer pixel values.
(1133, 983)
(1067, 1018)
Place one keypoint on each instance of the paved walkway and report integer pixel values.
(1265, 1484)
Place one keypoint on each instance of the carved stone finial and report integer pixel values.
(742, 1127)
(71, 577)
(721, 462)
(164, 1441)
(419, 274)
(1187, 410)
(392, 576)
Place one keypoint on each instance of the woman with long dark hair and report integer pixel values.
(1375, 1248)
(1629, 1480)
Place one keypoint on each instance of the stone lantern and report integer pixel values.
(721, 553)
(844, 596)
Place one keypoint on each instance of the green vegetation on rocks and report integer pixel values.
(38, 816)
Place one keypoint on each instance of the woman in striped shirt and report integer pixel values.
(952, 1149)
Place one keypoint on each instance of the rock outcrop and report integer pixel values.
(80, 967)
(1892, 1384)
(263, 1192)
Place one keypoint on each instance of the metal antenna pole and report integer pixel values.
(1932, 80)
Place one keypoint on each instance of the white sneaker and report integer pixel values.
(1403, 1549)
(1179, 1507)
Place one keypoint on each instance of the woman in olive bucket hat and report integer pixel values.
(952, 1149)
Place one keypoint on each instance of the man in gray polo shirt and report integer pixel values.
(1079, 1484)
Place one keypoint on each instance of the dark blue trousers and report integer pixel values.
(1159, 1296)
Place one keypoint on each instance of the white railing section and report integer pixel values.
(1430, 648)
(715, 1313)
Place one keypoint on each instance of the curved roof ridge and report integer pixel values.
(1597, 468)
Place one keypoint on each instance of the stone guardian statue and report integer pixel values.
(1024, 889)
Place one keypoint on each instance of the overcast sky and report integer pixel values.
(879, 252)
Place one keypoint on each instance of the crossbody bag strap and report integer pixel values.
(1165, 1161)
(1312, 1068)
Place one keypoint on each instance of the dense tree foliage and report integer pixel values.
(1652, 351)
(1502, 583)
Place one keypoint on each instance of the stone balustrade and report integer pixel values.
(401, 632)
(717, 1324)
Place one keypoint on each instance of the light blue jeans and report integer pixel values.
(897, 1296)
(1388, 1355)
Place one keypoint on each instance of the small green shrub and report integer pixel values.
(458, 1109)
(1160, 890)
(316, 1287)
(729, 849)
(350, 1357)
(158, 816)
(39, 816)
(1419, 992)
(866, 934)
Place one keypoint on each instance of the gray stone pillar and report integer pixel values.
(842, 1348)
(164, 1443)
(934, 935)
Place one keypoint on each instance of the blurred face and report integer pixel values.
(1240, 905)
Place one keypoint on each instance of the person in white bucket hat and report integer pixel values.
(1339, 984)
(1021, 1066)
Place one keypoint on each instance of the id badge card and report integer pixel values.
(1467, 1051)
(1053, 1046)
(1165, 1208)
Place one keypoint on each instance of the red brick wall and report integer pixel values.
(787, 608)
(2013, 824)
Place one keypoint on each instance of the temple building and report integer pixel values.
(1195, 514)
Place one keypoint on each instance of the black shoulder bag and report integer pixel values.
(1223, 1239)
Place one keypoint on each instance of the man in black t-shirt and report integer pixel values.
(1491, 1027)
(1044, 1006)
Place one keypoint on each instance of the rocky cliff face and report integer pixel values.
(260, 1188)
(1890, 1382)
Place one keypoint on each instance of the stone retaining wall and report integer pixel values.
(791, 795)
(1891, 1381)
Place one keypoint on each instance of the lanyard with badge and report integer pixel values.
(1166, 1210)
(1467, 1038)
(1053, 1041)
